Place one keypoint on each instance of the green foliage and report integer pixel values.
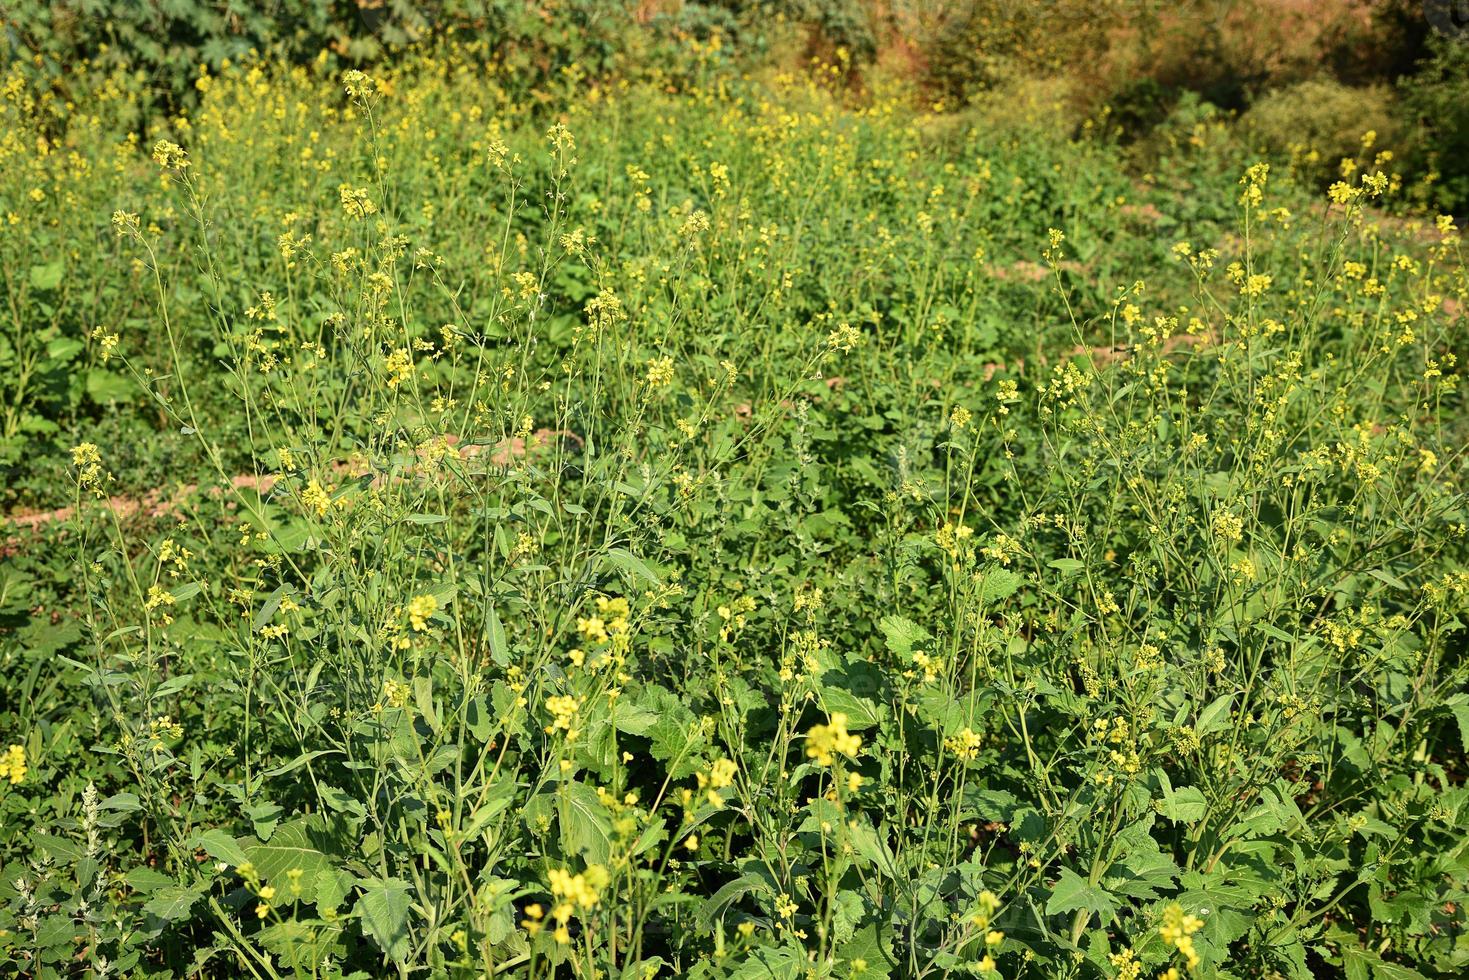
(1319, 123)
(1436, 101)
(161, 44)
(722, 532)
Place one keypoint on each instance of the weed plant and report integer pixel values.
(727, 533)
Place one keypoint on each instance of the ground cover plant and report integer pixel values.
(720, 526)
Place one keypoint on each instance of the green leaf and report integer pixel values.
(264, 817)
(383, 910)
(871, 848)
(173, 685)
(55, 931)
(1067, 566)
(477, 719)
(773, 963)
(105, 387)
(222, 847)
(586, 827)
(632, 718)
(632, 565)
(341, 801)
(267, 610)
(497, 798)
(1184, 805)
(872, 947)
(902, 634)
(999, 584)
(47, 277)
(126, 802)
(1382, 576)
(730, 892)
(172, 902)
(1459, 705)
(1073, 892)
(423, 699)
(64, 348)
(862, 713)
(331, 888)
(295, 845)
(498, 651)
(146, 880)
(305, 944)
(1356, 964)
(1215, 715)
(295, 763)
(187, 591)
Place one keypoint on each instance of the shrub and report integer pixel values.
(1318, 123)
(1436, 103)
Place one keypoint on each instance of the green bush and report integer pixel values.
(164, 44)
(1318, 123)
(1435, 100)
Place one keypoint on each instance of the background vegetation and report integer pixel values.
(671, 489)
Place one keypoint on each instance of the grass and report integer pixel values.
(726, 532)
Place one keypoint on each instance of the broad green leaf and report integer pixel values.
(1459, 705)
(586, 827)
(123, 802)
(1073, 892)
(172, 902)
(304, 943)
(105, 387)
(902, 634)
(773, 963)
(264, 817)
(861, 713)
(330, 889)
(295, 845)
(222, 847)
(730, 892)
(871, 848)
(874, 948)
(632, 718)
(48, 276)
(1184, 805)
(1215, 715)
(146, 880)
(999, 584)
(383, 911)
(64, 348)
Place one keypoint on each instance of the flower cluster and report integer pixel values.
(575, 894)
(420, 609)
(1177, 931)
(88, 461)
(720, 776)
(13, 765)
(609, 625)
(965, 744)
(825, 742)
